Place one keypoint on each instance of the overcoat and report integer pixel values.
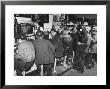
(58, 44)
(44, 51)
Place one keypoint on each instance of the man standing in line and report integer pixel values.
(44, 53)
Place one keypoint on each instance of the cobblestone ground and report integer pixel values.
(73, 72)
(68, 71)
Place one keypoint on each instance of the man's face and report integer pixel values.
(46, 33)
(53, 33)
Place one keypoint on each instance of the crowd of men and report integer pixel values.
(76, 46)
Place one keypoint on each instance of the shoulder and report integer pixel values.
(43, 41)
(47, 41)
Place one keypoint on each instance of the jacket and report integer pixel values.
(44, 51)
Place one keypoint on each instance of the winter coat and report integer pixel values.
(44, 51)
(57, 42)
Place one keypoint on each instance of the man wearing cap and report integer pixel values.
(44, 52)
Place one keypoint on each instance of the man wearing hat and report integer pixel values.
(44, 52)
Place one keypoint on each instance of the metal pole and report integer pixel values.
(23, 73)
(55, 66)
(41, 70)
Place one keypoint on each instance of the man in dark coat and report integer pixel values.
(44, 52)
(57, 42)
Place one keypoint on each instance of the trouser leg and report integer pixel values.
(95, 57)
(18, 72)
(55, 65)
(78, 61)
(49, 69)
(38, 68)
(86, 59)
(89, 61)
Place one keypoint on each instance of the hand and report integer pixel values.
(79, 43)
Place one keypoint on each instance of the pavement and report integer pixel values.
(67, 71)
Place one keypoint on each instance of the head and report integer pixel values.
(53, 33)
(75, 29)
(39, 34)
(94, 28)
(88, 28)
(85, 23)
(46, 32)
